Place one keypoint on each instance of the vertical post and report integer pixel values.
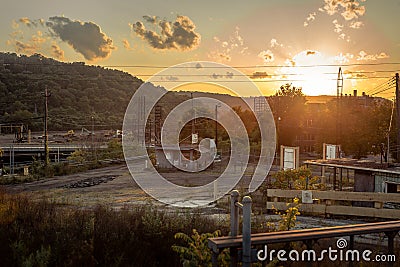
(246, 243)
(323, 157)
(216, 127)
(391, 236)
(46, 137)
(398, 116)
(334, 178)
(234, 225)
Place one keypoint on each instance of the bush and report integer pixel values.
(44, 234)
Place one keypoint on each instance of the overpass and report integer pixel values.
(37, 149)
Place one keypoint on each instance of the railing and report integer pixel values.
(338, 203)
(308, 236)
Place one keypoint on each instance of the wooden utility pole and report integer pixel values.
(398, 117)
(46, 136)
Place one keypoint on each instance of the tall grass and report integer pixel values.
(44, 234)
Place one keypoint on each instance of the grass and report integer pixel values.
(43, 233)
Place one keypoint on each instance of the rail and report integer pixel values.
(245, 241)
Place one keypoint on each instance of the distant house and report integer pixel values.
(368, 176)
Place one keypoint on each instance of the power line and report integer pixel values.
(200, 66)
(253, 66)
(380, 85)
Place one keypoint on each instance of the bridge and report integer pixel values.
(39, 148)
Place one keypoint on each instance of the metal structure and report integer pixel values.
(307, 236)
(260, 105)
(339, 94)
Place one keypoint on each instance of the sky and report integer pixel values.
(302, 42)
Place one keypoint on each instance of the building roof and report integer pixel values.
(352, 164)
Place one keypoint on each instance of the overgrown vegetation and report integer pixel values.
(196, 252)
(44, 234)
(300, 179)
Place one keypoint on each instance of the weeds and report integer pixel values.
(45, 234)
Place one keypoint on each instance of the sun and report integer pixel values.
(313, 71)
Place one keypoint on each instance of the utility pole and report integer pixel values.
(46, 136)
(339, 93)
(398, 117)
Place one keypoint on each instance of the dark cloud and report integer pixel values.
(85, 37)
(172, 78)
(179, 35)
(151, 19)
(267, 56)
(309, 52)
(28, 47)
(31, 23)
(260, 75)
(229, 75)
(216, 76)
(57, 52)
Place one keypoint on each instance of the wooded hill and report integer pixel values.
(78, 92)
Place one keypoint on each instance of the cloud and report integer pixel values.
(171, 78)
(225, 56)
(339, 30)
(260, 75)
(179, 35)
(274, 43)
(356, 24)
(85, 37)
(226, 48)
(363, 56)
(309, 52)
(343, 58)
(57, 52)
(355, 74)
(267, 56)
(228, 75)
(31, 23)
(310, 18)
(151, 19)
(350, 9)
(31, 46)
(127, 45)
(216, 76)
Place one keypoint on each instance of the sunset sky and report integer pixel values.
(273, 42)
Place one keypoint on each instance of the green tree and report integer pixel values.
(288, 107)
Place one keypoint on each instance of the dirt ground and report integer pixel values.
(110, 185)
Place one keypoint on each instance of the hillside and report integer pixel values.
(78, 93)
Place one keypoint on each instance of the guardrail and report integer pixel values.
(338, 203)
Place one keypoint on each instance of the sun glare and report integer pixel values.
(311, 71)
